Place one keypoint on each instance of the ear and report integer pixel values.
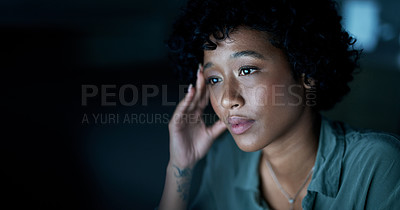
(308, 83)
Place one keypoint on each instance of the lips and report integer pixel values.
(239, 125)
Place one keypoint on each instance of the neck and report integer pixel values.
(293, 155)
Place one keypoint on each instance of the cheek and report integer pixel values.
(281, 96)
(258, 96)
(261, 95)
(296, 93)
(275, 95)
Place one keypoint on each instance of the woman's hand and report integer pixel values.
(190, 138)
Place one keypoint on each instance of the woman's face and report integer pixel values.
(252, 89)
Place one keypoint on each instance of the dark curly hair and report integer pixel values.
(308, 31)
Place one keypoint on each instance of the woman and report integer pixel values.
(268, 68)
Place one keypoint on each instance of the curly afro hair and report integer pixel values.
(308, 31)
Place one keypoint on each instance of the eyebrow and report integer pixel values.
(207, 65)
(249, 53)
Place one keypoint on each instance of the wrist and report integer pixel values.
(181, 171)
(182, 177)
(181, 164)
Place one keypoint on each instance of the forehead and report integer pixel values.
(242, 39)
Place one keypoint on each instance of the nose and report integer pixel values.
(231, 98)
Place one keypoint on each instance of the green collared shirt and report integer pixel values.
(353, 170)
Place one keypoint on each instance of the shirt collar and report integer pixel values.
(328, 162)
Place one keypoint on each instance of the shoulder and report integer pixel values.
(371, 144)
(373, 158)
(369, 166)
(359, 142)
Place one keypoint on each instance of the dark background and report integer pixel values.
(49, 49)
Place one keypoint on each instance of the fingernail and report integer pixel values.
(190, 87)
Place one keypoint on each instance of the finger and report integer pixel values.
(200, 88)
(215, 130)
(202, 84)
(204, 99)
(186, 101)
(181, 110)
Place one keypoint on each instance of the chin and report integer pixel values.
(247, 144)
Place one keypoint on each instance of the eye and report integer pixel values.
(247, 70)
(213, 80)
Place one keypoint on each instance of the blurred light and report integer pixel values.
(387, 32)
(361, 19)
